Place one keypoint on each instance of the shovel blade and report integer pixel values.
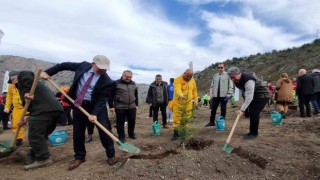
(129, 148)
(227, 148)
(5, 149)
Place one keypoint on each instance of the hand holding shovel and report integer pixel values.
(122, 146)
(226, 146)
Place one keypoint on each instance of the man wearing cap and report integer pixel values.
(13, 100)
(90, 89)
(44, 111)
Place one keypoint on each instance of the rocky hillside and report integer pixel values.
(270, 65)
(16, 63)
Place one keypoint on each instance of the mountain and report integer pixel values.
(16, 63)
(270, 65)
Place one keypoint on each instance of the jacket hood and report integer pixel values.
(286, 80)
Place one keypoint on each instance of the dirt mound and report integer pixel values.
(289, 151)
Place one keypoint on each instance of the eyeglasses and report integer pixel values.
(220, 67)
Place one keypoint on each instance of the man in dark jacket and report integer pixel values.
(305, 91)
(124, 101)
(44, 112)
(316, 97)
(256, 97)
(4, 117)
(158, 99)
(91, 86)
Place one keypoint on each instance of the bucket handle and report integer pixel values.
(59, 131)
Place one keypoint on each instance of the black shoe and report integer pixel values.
(316, 113)
(175, 135)
(165, 126)
(133, 136)
(303, 116)
(89, 139)
(309, 115)
(284, 116)
(122, 140)
(210, 124)
(249, 136)
(19, 142)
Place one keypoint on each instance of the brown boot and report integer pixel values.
(112, 161)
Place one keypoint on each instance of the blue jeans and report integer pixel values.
(314, 102)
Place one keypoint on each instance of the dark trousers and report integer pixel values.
(40, 127)
(122, 115)
(90, 128)
(256, 106)
(150, 111)
(214, 106)
(304, 100)
(163, 110)
(67, 110)
(205, 102)
(317, 97)
(314, 102)
(4, 117)
(80, 122)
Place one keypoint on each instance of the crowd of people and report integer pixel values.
(93, 90)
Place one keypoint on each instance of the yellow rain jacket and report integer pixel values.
(189, 89)
(13, 98)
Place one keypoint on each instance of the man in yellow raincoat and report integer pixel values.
(13, 98)
(185, 96)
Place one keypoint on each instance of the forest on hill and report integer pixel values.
(270, 65)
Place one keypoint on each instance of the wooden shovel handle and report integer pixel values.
(83, 110)
(27, 104)
(232, 130)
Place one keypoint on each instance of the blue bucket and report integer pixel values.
(58, 137)
(276, 118)
(220, 123)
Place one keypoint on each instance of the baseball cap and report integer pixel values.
(102, 62)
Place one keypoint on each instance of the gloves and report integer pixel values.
(195, 103)
(229, 96)
(182, 96)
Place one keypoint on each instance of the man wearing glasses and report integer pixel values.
(221, 87)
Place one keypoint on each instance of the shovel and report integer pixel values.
(122, 146)
(8, 147)
(226, 146)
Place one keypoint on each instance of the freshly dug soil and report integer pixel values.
(289, 151)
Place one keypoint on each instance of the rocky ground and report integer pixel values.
(289, 151)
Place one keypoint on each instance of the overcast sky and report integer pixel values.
(153, 37)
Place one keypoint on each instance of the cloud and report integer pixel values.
(122, 30)
(297, 15)
(139, 35)
(245, 35)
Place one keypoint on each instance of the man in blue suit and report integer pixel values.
(94, 102)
